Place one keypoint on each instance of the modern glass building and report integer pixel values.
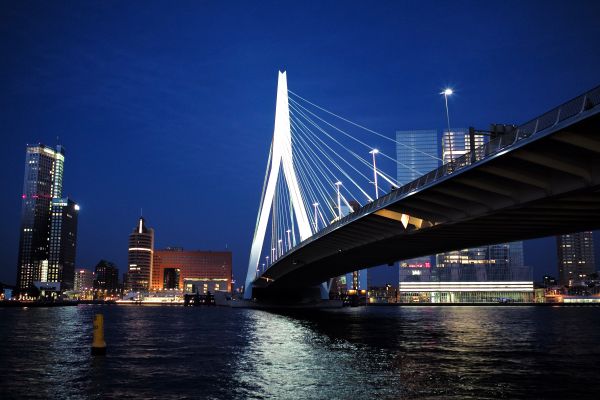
(417, 152)
(457, 143)
(63, 243)
(576, 258)
(140, 256)
(48, 222)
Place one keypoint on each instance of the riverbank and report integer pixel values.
(18, 303)
(483, 304)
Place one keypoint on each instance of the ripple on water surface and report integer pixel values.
(379, 352)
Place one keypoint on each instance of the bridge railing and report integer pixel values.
(567, 110)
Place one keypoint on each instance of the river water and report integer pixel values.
(352, 353)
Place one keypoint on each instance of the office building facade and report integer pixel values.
(576, 258)
(83, 279)
(456, 143)
(107, 276)
(48, 233)
(179, 269)
(140, 257)
(63, 243)
(417, 153)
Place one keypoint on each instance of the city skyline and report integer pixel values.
(187, 147)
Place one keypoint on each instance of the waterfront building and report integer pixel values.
(62, 243)
(48, 222)
(457, 143)
(107, 277)
(383, 294)
(576, 259)
(140, 257)
(417, 152)
(179, 269)
(84, 279)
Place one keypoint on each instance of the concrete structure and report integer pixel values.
(141, 249)
(210, 270)
(576, 259)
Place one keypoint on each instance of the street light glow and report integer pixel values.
(374, 151)
(447, 92)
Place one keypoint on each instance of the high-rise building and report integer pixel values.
(48, 235)
(83, 279)
(63, 243)
(174, 268)
(457, 143)
(107, 276)
(576, 259)
(141, 249)
(417, 154)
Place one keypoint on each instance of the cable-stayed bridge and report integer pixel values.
(328, 207)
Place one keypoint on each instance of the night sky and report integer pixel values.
(169, 106)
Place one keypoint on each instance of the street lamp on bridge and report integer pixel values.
(448, 92)
(316, 206)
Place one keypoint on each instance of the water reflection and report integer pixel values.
(373, 352)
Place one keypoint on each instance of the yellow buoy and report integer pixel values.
(98, 344)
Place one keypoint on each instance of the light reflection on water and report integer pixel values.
(374, 352)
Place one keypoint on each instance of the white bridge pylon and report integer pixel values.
(280, 159)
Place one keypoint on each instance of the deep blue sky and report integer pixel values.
(169, 106)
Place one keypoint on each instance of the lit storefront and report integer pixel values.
(466, 292)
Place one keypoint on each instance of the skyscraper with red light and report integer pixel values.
(41, 253)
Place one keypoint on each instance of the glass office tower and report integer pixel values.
(62, 243)
(417, 154)
(42, 183)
